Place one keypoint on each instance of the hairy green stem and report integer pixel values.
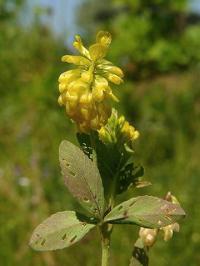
(105, 253)
(105, 231)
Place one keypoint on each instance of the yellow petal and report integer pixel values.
(98, 93)
(114, 70)
(101, 81)
(60, 101)
(75, 59)
(104, 38)
(69, 76)
(62, 87)
(78, 87)
(86, 98)
(97, 51)
(87, 76)
(85, 113)
(114, 78)
(78, 45)
(121, 120)
(137, 134)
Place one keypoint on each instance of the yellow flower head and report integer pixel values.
(85, 90)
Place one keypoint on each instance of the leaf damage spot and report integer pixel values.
(64, 236)
(43, 242)
(84, 224)
(72, 173)
(125, 214)
(131, 204)
(86, 199)
(73, 239)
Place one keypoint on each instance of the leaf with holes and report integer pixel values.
(130, 175)
(145, 211)
(60, 230)
(82, 178)
(85, 143)
(139, 255)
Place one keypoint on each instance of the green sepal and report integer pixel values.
(82, 178)
(145, 211)
(60, 230)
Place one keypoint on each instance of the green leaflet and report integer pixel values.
(60, 230)
(145, 211)
(108, 157)
(139, 255)
(82, 178)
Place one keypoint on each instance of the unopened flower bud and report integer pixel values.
(148, 236)
(114, 78)
(169, 230)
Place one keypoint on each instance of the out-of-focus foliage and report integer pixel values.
(31, 128)
(150, 36)
(165, 109)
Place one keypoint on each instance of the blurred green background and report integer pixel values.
(157, 43)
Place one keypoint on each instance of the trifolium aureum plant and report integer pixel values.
(103, 166)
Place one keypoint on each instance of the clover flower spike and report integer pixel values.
(85, 90)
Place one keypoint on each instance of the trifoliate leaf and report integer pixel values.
(82, 178)
(145, 211)
(60, 230)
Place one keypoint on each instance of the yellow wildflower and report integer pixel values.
(128, 132)
(118, 130)
(85, 91)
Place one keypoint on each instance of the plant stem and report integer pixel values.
(105, 230)
(105, 254)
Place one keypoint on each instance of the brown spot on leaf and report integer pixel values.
(64, 236)
(43, 242)
(131, 204)
(86, 199)
(125, 214)
(72, 173)
(73, 238)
